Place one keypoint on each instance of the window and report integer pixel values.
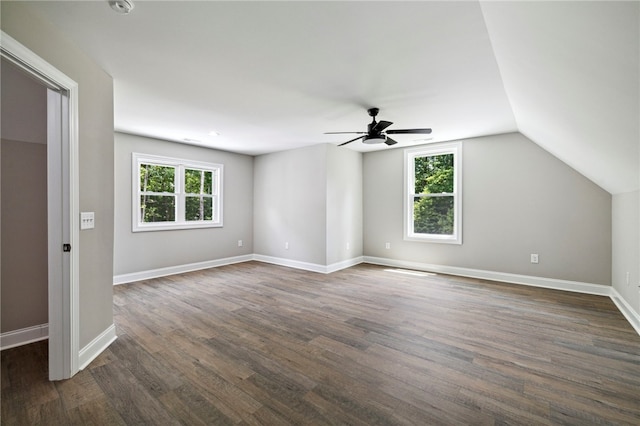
(175, 194)
(433, 194)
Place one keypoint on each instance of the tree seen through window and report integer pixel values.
(433, 203)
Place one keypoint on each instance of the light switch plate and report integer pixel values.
(87, 220)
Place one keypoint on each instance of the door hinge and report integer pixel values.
(66, 247)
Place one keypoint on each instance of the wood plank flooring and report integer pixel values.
(253, 343)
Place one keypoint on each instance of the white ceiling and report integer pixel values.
(271, 76)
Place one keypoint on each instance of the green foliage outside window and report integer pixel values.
(433, 204)
(157, 202)
(198, 190)
(158, 199)
(175, 194)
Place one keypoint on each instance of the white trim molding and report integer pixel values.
(334, 267)
(96, 346)
(312, 267)
(179, 193)
(63, 205)
(24, 336)
(290, 263)
(632, 316)
(575, 286)
(178, 269)
(410, 155)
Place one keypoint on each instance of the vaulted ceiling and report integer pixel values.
(269, 76)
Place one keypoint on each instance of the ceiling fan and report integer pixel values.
(376, 131)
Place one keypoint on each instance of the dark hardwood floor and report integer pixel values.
(260, 344)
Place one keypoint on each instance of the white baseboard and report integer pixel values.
(24, 336)
(296, 264)
(575, 286)
(313, 267)
(96, 346)
(172, 270)
(632, 316)
(344, 264)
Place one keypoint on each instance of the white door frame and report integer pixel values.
(62, 205)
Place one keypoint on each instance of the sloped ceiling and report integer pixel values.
(270, 76)
(570, 70)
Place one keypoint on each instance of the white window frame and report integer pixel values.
(180, 165)
(410, 154)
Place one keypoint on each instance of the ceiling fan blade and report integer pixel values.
(390, 141)
(406, 131)
(381, 125)
(345, 133)
(352, 140)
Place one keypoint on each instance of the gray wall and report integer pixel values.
(290, 204)
(24, 276)
(626, 247)
(344, 204)
(96, 159)
(517, 200)
(24, 235)
(24, 106)
(144, 251)
(311, 198)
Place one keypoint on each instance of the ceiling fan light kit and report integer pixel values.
(376, 131)
(374, 140)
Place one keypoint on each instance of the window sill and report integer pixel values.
(174, 226)
(438, 239)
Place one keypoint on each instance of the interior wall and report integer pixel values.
(517, 199)
(290, 204)
(344, 204)
(145, 251)
(24, 290)
(23, 188)
(24, 106)
(95, 159)
(626, 247)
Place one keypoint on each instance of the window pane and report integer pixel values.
(198, 208)
(433, 215)
(208, 183)
(434, 174)
(154, 178)
(192, 181)
(158, 208)
(197, 181)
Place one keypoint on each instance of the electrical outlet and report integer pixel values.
(348, 246)
(387, 245)
(628, 278)
(286, 245)
(239, 243)
(534, 258)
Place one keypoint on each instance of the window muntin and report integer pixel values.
(171, 193)
(433, 210)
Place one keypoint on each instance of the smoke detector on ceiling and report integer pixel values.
(121, 6)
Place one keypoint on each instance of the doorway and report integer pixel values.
(62, 204)
(23, 170)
